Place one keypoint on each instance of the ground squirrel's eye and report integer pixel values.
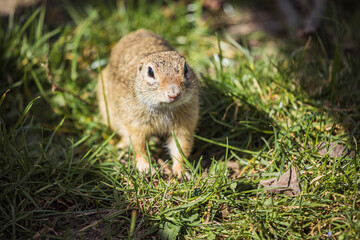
(151, 72)
(186, 70)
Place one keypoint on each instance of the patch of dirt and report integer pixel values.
(106, 224)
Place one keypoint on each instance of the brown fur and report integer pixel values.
(139, 105)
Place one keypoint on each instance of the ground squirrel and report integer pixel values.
(149, 90)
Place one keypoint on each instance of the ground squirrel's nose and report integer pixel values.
(173, 93)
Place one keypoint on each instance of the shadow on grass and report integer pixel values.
(335, 90)
(229, 122)
(326, 65)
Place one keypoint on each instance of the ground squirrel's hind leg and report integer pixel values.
(185, 140)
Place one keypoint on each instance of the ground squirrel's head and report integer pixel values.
(165, 80)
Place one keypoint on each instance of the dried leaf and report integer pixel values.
(288, 183)
(334, 150)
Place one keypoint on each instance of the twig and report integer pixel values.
(208, 212)
(55, 87)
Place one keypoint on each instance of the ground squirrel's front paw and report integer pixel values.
(143, 165)
(179, 172)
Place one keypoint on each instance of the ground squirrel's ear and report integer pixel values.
(140, 65)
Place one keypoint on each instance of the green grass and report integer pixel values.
(265, 109)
